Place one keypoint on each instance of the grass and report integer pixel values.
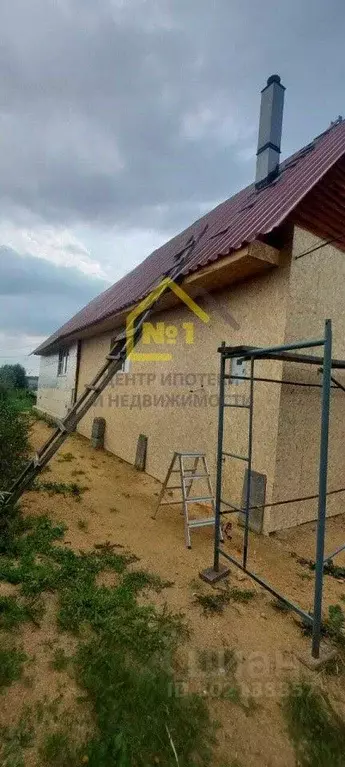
(13, 612)
(65, 457)
(138, 580)
(22, 400)
(59, 751)
(82, 524)
(316, 730)
(215, 602)
(241, 595)
(335, 571)
(60, 488)
(336, 617)
(15, 739)
(332, 627)
(136, 715)
(11, 665)
(60, 660)
(123, 659)
(212, 603)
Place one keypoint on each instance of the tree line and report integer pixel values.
(13, 377)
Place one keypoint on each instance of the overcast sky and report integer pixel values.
(122, 120)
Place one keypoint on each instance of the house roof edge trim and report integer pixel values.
(247, 216)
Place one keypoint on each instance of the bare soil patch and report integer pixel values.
(117, 508)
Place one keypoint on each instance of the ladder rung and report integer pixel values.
(169, 503)
(197, 500)
(92, 388)
(113, 357)
(172, 487)
(194, 455)
(201, 522)
(61, 426)
(234, 455)
(195, 476)
(228, 404)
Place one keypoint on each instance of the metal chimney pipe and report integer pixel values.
(270, 131)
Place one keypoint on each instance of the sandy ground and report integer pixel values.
(118, 507)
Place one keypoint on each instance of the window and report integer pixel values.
(125, 364)
(62, 362)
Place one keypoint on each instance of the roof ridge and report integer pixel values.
(240, 219)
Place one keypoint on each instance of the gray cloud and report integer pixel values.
(36, 296)
(143, 111)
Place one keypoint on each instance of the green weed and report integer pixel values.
(60, 488)
(66, 457)
(14, 739)
(82, 524)
(137, 713)
(334, 625)
(138, 580)
(12, 612)
(241, 595)
(60, 660)
(124, 660)
(213, 603)
(58, 751)
(315, 728)
(216, 602)
(14, 443)
(336, 618)
(11, 665)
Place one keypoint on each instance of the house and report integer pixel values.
(267, 266)
(32, 383)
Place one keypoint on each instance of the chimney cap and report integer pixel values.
(273, 79)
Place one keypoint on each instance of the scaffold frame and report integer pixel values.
(286, 353)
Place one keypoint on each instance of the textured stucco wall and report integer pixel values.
(55, 393)
(258, 308)
(316, 292)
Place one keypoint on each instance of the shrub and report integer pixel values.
(14, 445)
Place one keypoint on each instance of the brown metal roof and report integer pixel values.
(249, 215)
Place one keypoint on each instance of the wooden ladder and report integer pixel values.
(113, 363)
(188, 475)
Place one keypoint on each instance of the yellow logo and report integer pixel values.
(161, 333)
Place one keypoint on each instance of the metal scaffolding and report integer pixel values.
(285, 353)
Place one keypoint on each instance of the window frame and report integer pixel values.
(63, 358)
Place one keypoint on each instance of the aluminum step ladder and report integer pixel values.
(113, 363)
(188, 475)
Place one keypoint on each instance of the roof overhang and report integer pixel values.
(322, 211)
(241, 265)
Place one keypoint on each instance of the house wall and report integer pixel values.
(316, 293)
(55, 393)
(175, 403)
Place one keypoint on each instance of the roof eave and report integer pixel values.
(235, 267)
